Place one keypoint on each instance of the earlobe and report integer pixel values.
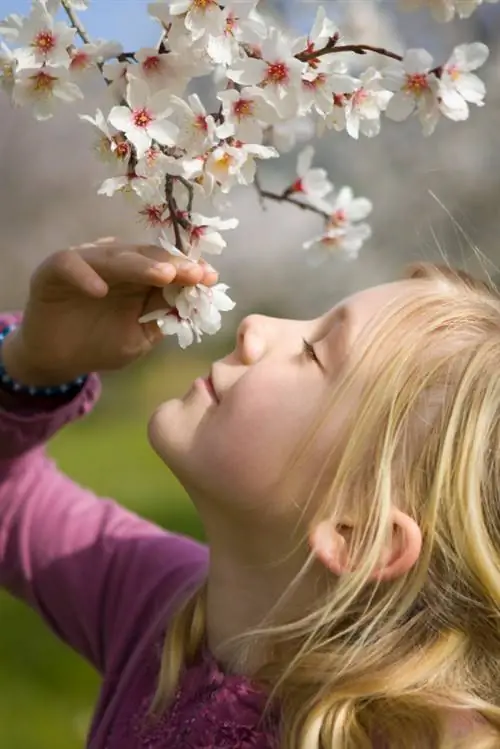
(329, 547)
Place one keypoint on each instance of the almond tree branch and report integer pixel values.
(284, 197)
(75, 22)
(359, 49)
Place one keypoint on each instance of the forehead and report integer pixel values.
(363, 306)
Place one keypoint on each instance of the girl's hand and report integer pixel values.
(83, 308)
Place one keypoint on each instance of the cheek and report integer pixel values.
(243, 451)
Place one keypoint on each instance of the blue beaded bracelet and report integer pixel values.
(8, 382)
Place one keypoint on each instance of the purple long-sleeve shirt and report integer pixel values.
(106, 581)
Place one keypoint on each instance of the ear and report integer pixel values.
(331, 546)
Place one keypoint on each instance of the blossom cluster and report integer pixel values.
(177, 161)
(446, 10)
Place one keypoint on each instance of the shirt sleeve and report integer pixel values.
(94, 571)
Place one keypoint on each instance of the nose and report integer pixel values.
(250, 338)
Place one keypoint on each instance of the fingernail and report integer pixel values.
(164, 266)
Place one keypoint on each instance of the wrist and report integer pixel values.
(20, 367)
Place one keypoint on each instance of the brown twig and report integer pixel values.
(189, 187)
(358, 49)
(284, 197)
(75, 22)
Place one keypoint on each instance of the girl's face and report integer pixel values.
(230, 454)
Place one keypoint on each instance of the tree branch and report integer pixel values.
(359, 49)
(284, 197)
(75, 22)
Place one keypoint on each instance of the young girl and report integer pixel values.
(347, 473)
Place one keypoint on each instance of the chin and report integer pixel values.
(159, 433)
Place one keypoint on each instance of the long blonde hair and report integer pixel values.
(392, 659)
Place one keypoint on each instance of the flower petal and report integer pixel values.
(400, 107)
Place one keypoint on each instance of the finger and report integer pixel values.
(155, 265)
(71, 267)
(133, 268)
(210, 276)
(184, 266)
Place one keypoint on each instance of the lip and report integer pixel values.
(213, 391)
(207, 384)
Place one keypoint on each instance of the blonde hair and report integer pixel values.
(390, 661)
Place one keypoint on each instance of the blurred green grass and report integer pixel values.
(47, 691)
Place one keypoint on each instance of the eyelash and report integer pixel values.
(310, 352)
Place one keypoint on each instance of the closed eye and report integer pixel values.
(310, 352)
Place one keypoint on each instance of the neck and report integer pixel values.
(248, 576)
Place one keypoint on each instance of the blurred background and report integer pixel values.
(434, 199)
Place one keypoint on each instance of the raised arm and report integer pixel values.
(94, 571)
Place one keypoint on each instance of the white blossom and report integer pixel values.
(362, 108)
(111, 146)
(311, 183)
(147, 191)
(162, 71)
(87, 56)
(201, 16)
(42, 40)
(11, 26)
(192, 311)
(235, 164)
(322, 31)
(196, 127)
(43, 89)
(278, 73)
(445, 10)
(145, 118)
(246, 111)
(116, 73)
(240, 24)
(321, 82)
(458, 85)
(345, 209)
(347, 240)
(415, 87)
(203, 235)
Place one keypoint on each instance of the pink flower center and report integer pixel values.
(231, 23)
(277, 73)
(330, 241)
(298, 186)
(153, 214)
(454, 72)
(338, 218)
(80, 60)
(122, 150)
(141, 117)
(313, 85)
(339, 100)
(43, 82)
(359, 97)
(151, 64)
(243, 108)
(197, 232)
(201, 123)
(416, 83)
(44, 42)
